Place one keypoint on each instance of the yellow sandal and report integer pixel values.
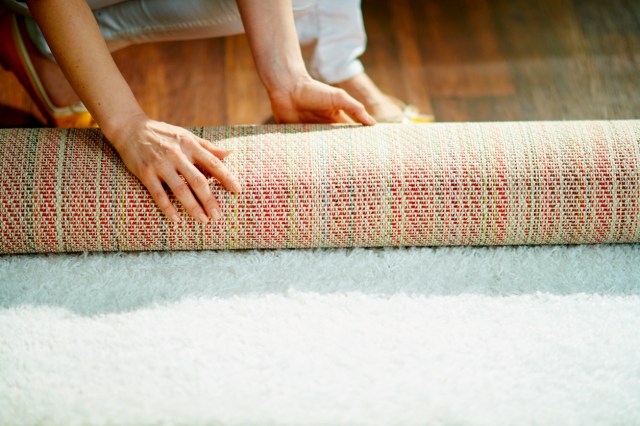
(410, 114)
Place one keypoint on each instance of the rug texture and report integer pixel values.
(337, 186)
(518, 335)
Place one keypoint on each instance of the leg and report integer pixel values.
(334, 31)
(336, 28)
(126, 22)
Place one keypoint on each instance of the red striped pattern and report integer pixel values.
(66, 190)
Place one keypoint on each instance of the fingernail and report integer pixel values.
(175, 218)
(372, 120)
(203, 218)
(235, 186)
(216, 214)
(229, 152)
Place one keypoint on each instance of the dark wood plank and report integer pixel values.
(16, 108)
(382, 57)
(245, 96)
(612, 34)
(460, 49)
(556, 70)
(202, 67)
(477, 108)
(144, 70)
(461, 59)
(410, 66)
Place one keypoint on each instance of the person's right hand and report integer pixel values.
(157, 152)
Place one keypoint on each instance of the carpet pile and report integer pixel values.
(451, 336)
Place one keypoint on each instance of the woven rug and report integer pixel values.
(66, 190)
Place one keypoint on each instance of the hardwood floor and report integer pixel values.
(463, 60)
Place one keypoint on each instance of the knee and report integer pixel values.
(302, 7)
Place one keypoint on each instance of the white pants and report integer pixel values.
(334, 27)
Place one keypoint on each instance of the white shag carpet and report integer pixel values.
(447, 336)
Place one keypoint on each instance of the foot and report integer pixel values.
(375, 101)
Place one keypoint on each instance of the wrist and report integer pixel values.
(287, 85)
(281, 72)
(118, 127)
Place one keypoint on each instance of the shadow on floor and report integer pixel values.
(94, 284)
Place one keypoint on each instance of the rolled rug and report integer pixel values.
(66, 190)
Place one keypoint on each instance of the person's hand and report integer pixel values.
(310, 101)
(295, 96)
(157, 152)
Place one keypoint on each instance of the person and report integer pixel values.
(60, 51)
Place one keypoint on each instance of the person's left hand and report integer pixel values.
(310, 101)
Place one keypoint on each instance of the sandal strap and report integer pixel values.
(410, 114)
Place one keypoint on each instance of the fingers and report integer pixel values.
(200, 185)
(159, 152)
(195, 182)
(342, 117)
(218, 170)
(159, 195)
(181, 189)
(204, 204)
(216, 167)
(221, 153)
(352, 107)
